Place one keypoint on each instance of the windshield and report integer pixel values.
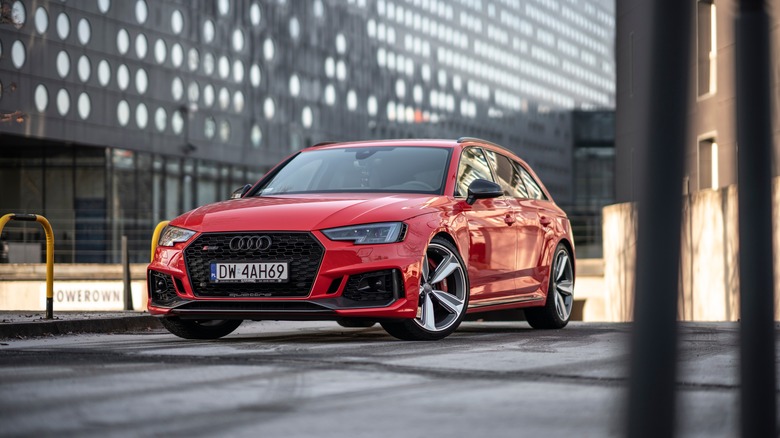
(370, 169)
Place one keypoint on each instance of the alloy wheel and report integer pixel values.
(563, 284)
(442, 289)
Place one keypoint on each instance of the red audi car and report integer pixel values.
(412, 234)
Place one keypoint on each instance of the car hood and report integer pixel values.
(309, 212)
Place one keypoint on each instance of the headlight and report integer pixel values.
(387, 232)
(172, 235)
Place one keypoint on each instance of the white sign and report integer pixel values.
(82, 295)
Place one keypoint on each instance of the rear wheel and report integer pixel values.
(560, 294)
(200, 328)
(444, 296)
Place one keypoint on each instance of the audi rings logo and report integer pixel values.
(250, 243)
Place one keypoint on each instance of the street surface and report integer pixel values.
(294, 379)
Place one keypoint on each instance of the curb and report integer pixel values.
(65, 327)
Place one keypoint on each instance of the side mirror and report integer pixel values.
(239, 193)
(483, 189)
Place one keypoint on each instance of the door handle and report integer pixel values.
(509, 219)
(545, 221)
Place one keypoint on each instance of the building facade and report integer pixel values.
(711, 146)
(119, 114)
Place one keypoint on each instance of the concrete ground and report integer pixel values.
(302, 379)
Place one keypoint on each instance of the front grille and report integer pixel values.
(301, 251)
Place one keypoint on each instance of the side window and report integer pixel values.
(534, 191)
(473, 165)
(509, 176)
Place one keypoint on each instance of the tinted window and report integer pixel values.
(473, 165)
(369, 169)
(534, 191)
(508, 174)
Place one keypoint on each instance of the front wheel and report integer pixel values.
(200, 328)
(444, 296)
(556, 311)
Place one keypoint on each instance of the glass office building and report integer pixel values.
(115, 115)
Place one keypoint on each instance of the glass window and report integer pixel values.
(84, 106)
(141, 81)
(177, 55)
(84, 31)
(18, 14)
(268, 49)
(122, 40)
(473, 165)
(255, 75)
(104, 72)
(307, 117)
(534, 190)
(208, 95)
(238, 40)
(41, 97)
(41, 20)
(256, 136)
(123, 77)
(63, 64)
(84, 68)
(208, 31)
(141, 46)
(255, 15)
(238, 101)
(63, 26)
(238, 71)
(160, 51)
(177, 22)
(141, 11)
(141, 116)
(160, 119)
(104, 5)
(269, 108)
(508, 175)
(123, 112)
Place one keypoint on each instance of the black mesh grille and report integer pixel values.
(161, 288)
(373, 286)
(301, 250)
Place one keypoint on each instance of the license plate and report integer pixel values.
(266, 272)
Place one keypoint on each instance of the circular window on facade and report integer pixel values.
(238, 101)
(177, 55)
(84, 31)
(208, 31)
(84, 106)
(238, 71)
(193, 92)
(63, 26)
(224, 67)
(122, 41)
(41, 20)
(63, 102)
(223, 6)
(41, 98)
(18, 14)
(123, 77)
(372, 106)
(295, 28)
(269, 108)
(330, 95)
(160, 119)
(330, 67)
(224, 131)
(352, 100)
(177, 89)
(63, 64)
(177, 122)
(141, 46)
(255, 75)
(104, 5)
(269, 49)
(160, 51)
(319, 9)
(209, 127)
(104, 72)
(238, 40)
(341, 44)
(295, 85)
(18, 54)
(84, 68)
(193, 59)
(255, 14)
(177, 23)
(208, 95)
(341, 71)
(141, 116)
(224, 98)
(256, 136)
(209, 63)
(141, 81)
(141, 11)
(307, 117)
(400, 88)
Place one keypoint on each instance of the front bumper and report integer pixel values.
(333, 294)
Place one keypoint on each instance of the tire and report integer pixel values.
(444, 296)
(556, 312)
(200, 328)
(355, 322)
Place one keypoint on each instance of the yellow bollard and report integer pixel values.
(156, 236)
(49, 253)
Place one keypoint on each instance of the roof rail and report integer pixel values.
(323, 143)
(479, 140)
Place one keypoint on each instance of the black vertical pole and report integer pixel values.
(651, 398)
(126, 286)
(754, 152)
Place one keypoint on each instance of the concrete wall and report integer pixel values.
(709, 264)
